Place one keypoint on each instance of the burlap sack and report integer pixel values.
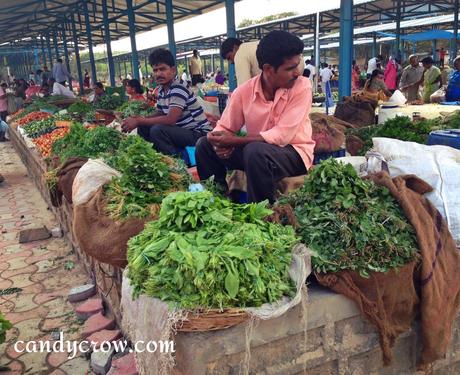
(327, 138)
(66, 174)
(101, 237)
(356, 113)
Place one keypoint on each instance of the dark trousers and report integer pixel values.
(264, 164)
(169, 139)
(3, 115)
(196, 78)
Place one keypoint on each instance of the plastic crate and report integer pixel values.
(449, 137)
(188, 155)
(318, 157)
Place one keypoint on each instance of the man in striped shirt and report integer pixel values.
(180, 121)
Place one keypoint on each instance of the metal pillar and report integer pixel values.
(398, 29)
(414, 47)
(77, 54)
(374, 45)
(107, 43)
(221, 63)
(36, 60)
(55, 42)
(454, 45)
(126, 71)
(43, 50)
(213, 68)
(48, 46)
(346, 47)
(186, 65)
(132, 37)
(170, 25)
(433, 49)
(90, 42)
(66, 52)
(231, 33)
(146, 65)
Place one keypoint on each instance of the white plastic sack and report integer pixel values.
(94, 174)
(439, 166)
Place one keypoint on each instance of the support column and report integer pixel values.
(170, 25)
(126, 71)
(132, 37)
(77, 54)
(433, 49)
(66, 52)
(43, 50)
(50, 55)
(414, 47)
(398, 29)
(36, 60)
(90, 42)
(186, 65)
(454, 45)
(221, 63)
(374, 45)
(346, 47)
(55, 42)
(231, 33)
(107, 43)
(316, 52)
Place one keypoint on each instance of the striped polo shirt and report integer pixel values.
(179, 95)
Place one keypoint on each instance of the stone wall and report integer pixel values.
(338, 342)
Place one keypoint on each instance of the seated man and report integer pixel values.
(274, 107)
(58, 89)
(180, 120)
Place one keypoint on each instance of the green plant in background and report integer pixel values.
(5, 325)
(350, 223)
(207, 252)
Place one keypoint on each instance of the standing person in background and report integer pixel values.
(86, 80)
(355, 72)
(31, 76)
(431, 78)
(183, 77)
(3, 101)
(373, 64)
(410, 79)
(195, 68)
(442, 56)
(326, 75)
(60, 73)
(391, 75)
(312, 69)
(46, 75)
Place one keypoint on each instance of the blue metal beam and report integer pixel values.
(66, 53)
(107, 43)
(50, 55)
(231, 33)
(170, 25)
(90, 42)
(346, 47)
(132, 37)
(43, 50)
(398, 30)
(55, 41)
(77, 53)
(455, 40)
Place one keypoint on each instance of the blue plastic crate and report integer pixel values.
(188, 155)
(318, 157)
(449, 137)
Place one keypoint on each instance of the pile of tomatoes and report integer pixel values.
(33, 116)
(45, 142)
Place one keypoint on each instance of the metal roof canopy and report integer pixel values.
(23, 19)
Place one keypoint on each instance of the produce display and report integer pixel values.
(147, 176)
(45, 142)
(38, 128)
(5, 325)
(207, 252)
(80, 109)
(136, 108)
(83, 142)
(109, 102)
(351, 223)
(33, 116)
(38, 104)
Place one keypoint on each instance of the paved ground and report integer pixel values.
(43, 270)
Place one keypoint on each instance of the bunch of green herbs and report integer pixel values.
(350, 223)
(136, 108)
(207, 252)
(35, 129)
(109, 102)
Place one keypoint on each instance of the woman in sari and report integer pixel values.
(431, 78)
(453, 86)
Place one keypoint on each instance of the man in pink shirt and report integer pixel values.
(273, 107)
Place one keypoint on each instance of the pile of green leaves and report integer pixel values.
(109, 102)
(451, 121)
(37, 105)
(5, 325)
(400, 127)
(35, 129)
(207, 252)
(136, 108)
(80, 109)
(147, 177)
(90, 143)
(350, 223)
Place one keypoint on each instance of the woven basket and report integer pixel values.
(212, 320)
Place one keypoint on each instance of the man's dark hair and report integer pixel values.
(59, 60)
(39, 71)
(427, 60)
(195, 52)
(277, 46)
(136, 85)
(4, 84)
(227, 46)
(375, 73)
(51, 79)
(379, 57)
(161, 56)
(100, 85)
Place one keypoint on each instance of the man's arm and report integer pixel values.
(242, 68)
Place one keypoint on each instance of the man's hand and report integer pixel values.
(222, 139)
(224, 152)
(129, 124)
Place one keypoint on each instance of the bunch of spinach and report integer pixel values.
(207, 252)
(109, 102)
(80, 109)
(136, 108)
(350, 223)
(147, 177)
